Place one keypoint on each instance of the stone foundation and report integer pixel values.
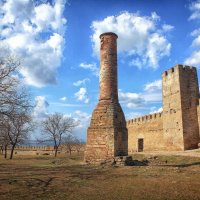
(107, 135)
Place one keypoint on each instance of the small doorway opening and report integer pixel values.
(140, 145)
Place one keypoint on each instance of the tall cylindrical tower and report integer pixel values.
(107, 135)
(108, 67)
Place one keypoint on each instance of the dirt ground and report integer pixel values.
(165, 177)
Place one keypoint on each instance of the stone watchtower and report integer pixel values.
(180, 100)
(107, 135)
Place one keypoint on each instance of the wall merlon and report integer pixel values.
(177, 69)
(164, 74)
(189, 68)
(178, 66)
(172, 70)
(145, 118)
(184, 68)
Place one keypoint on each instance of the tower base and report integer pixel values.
(107, 135)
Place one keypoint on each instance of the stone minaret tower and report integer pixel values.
(180, 101)
(107, 135)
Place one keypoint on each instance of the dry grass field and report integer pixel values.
(67, 177)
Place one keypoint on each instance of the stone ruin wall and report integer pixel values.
(177, 127)
(149, 128)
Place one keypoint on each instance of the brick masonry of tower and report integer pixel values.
(107, 135)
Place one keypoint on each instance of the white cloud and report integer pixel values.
(84, 119)
(194, 58)
(139, 36)
(63, 98)
(152, 94)
(137, 62)
(195, 9)
(90, 66)
(133, 115)
(155, 16)
(82, 115)
(81, 95)
(167, 27)
(131, 100)
(34, 32)
(196, 42)
(196, 32)
(81, 82)
(154, 110)
(152, 97)
(41, 107)
(157, 48)
(155, 85)
(59, 104)
(139, 100)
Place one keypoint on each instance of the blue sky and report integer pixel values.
(58, 43)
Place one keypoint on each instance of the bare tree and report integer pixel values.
(13, 95)
(69, 143)
(17, 129)
(56, 126)
(15, 109)
(78, 145)
(4, 139)
(16, 100)
(15, 103)
(9, 66)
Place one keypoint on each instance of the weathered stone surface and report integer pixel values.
(107, 135)
(180, 101)
(177, 127)
(150, 129)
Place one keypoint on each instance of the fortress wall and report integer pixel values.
(150, 129)
(33, 150)
(41, 150)
(177, 128)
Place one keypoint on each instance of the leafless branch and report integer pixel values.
(56, 126)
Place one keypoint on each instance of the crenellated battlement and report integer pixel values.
(145, 118)
(177, 69)
(34, 148)
(172, 70)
